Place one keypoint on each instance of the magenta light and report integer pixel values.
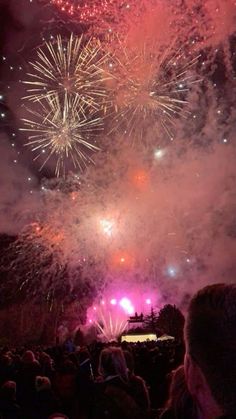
(148, 301)
(113, 301)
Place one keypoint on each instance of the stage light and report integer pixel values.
(126, 304)
(113, 301)
(148, 301)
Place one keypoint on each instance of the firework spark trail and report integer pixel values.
(36, 259)
(110, 325)
(37, 268)
(75, 66)
(63, 130)
(149, 87)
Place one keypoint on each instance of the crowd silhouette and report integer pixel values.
(194, 379)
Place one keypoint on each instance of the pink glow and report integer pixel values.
(113, 301)
(126, 304)
(123, 303)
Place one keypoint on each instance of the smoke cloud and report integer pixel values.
(159, 214)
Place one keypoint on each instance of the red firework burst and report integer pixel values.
(86, 10)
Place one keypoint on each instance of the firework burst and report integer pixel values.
(111, 328)
(94, 11)
(87, 12)
(110, 323)
(149, 87)
(63, 130)
(37, 269)
(73, 66)
(35, 263)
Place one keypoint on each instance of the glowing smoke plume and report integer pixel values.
(162, 216)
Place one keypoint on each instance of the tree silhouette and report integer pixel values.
(171, 321)
(150, 321)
